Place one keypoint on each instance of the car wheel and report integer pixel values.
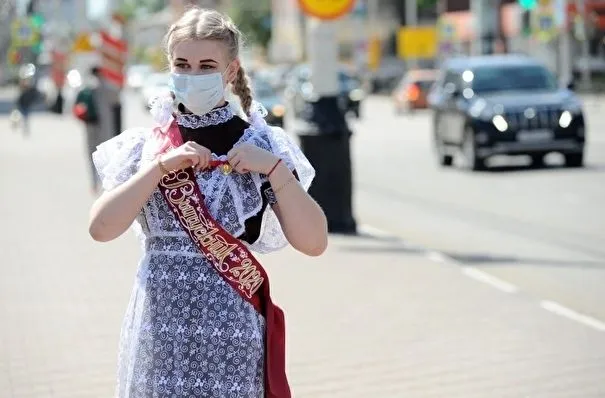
(574, 159)
(472, 161)
(445, 160)
(442, 157)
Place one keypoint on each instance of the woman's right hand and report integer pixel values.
(187, 155)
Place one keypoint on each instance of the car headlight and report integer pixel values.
(500, 123)
(278, 110)
(356, 94)
(481, 110)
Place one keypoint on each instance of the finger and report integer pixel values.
(232, 154)
(235, 160)
(204, 159)
(240, 166)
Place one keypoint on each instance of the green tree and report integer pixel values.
(254, 19)
(424, 4)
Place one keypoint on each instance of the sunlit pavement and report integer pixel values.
(408, 312)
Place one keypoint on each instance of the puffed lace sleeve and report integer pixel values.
(119, 158)
(272, 237)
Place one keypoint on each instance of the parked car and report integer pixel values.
(268, 96)
(504, 105)
(412, 91)
(300, 91)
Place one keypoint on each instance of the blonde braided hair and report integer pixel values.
(204, 24)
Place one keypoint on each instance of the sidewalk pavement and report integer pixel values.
(370, 318)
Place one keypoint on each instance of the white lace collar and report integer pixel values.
(214, 117)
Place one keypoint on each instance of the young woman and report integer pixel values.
(202, 188)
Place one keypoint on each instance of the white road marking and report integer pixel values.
(489, 279)
(438, 257)
(366, 229)
(568, 313)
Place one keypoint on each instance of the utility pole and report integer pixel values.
(485, 17)
(586, 76)
(411, 19)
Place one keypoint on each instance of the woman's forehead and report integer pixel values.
(196, 51)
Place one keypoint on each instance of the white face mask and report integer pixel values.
(199, 93)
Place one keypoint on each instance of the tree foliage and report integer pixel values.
(424, 4)
(254, 19)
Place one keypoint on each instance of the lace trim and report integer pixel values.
(214, 117)
(232, 199)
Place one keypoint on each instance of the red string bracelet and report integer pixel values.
(273, 168)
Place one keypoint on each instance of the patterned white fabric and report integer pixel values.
(186, 332)
(191, 121)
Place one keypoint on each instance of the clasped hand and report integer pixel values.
(243, 158)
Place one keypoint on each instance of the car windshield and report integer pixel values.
(507, 78)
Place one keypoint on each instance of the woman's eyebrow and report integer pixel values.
(201, 60)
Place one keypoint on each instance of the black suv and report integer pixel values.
(504, 105)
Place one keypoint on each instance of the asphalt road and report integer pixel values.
(541, 230)
(414, 327)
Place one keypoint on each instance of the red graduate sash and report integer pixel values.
(236, 264)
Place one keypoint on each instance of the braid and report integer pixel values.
(241, 88)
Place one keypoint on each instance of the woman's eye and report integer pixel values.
(206, 67)
(182, 66)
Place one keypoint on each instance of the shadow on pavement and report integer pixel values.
(391, 248)
(7, 106)
(487, 259)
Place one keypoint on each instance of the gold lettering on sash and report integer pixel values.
(247, 275)
(244, 272)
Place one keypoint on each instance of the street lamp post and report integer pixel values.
(324, 132)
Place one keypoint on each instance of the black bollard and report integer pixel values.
(324, 139)
(117, 118)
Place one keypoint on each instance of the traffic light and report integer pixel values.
(528, 4)
(37, 20)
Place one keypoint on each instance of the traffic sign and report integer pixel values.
(326, 9)
(24, 33)
(83, 44)
(417, 42)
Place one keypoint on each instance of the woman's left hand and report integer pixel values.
(247, 157)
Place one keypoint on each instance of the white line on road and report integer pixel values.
(474, 273)
(563, 311)
(373, 231)
(489, 279)
(438, 257)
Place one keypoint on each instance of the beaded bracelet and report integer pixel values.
(285, 184)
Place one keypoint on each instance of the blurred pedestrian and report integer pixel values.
(28, 96)
(85, 108)
(205, 187)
